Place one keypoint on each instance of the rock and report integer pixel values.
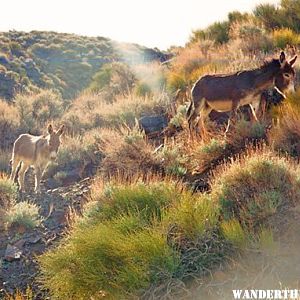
(20, 243)
(151, 124)
(34, 239)
(12, 253)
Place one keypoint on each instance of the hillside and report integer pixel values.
(136, 205)
(58, 61)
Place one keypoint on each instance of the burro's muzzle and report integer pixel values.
(53, 155)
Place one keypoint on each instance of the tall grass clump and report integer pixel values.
(255, 187)
(116, 249)
(285, 136)
(146, 200)
(134, 236)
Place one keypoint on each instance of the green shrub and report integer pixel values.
(107, 262)
(193, 215)
(234, 233)
(23, 214)
(131, 253)
(148, 201)
(173, 161)
(142, 89)
(8, 192)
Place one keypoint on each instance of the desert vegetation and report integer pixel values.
(133, 212)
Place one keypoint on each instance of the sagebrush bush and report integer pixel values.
(255, 187)
(89, 111)
(137, 154)
(8, 192)
(9, 124)
(37, 109)
(250, 36)
(23, 214)
(76, 154)
(5, 157)
(173, 160)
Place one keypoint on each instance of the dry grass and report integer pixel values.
(285, 135)
(127, 152)
(9, 124)
(90, 111)
(255, 186)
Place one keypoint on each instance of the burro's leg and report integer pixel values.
(254, 108)
(193, 117)
(14, 167)
(232, 115)
(203, 116)
(38, 177)
(22, 172)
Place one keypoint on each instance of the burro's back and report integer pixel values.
(36, 151)
(25, 147)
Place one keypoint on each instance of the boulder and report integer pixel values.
(12, 253)
(151, 124)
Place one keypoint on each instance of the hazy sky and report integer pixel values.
(153, 23)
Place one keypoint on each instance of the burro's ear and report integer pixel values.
(293, 60)
(50, 129)
(61, 130)
(282, 58)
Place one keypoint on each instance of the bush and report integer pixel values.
(173, 161)
(9, 124)
(5, 157)
(23, 214)
(36, 110)
(193, 216)
(75, 155)
(8, 192)
(250, 36)
(284, 37)
(255, 187)
(137, 155)
(285, 136)
(89, 111)
(139, 198)
(112, 80)
(127, 257)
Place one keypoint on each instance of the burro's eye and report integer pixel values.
(287, 75)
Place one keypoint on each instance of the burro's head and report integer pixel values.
(54, 140)
(286, 77)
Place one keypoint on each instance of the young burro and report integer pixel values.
(36, 151)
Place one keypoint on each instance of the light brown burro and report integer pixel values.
(36, 151)
(226, 93)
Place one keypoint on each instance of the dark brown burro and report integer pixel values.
(37, 151)
(226, 93)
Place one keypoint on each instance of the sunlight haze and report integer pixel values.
(153, 23)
